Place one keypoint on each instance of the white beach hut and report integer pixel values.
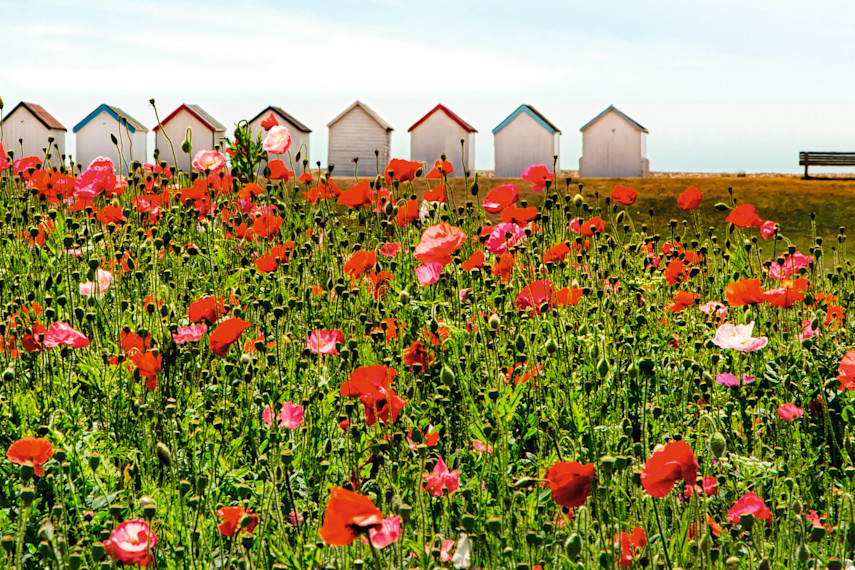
(26, 130)
(206, 133)
(440, 131)
(299, 131)
(614, 146)
(357, 133)
(93, 138)
(524, 138)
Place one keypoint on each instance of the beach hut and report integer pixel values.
(206, 133)
(29, 126)
(357, 133)
(440, 131)
(614, 146)
(524, 138)
(299, 131)
(93, 138)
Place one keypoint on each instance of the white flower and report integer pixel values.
(738, 337)
(463, 553)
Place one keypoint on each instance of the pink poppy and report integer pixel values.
(444, 550)
(190, 334)
(711, 307)
(62, 333)
(749, 504)
(538, 175)
(390, 250)
(131, 543)
(738, 337)
(792, 265)
(731, 381)
(97, 290)
(479, 446)
(807, 330)
(323, 342)
(388, 532)
(441, 477)
(211, 160)
(429, 273)
(499, 242)
(278, 140)
(790, 412)
(767, 229)
(102, 163)
(438, 242)
(290, 416)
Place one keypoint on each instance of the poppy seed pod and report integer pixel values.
(163, 454)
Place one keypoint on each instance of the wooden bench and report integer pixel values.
(825, 159)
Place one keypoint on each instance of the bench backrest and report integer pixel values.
(827, 158)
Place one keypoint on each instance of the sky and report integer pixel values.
(725, 86)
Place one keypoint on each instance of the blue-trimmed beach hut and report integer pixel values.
(92, 138)
(524, 138)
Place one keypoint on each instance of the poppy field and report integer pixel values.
(251, 366)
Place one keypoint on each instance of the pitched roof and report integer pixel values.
(278, 110)
(365, 108)
(531, 112)
(120, 116)
(466, 126)
(39, 113)
(197, 112)
(620, 114)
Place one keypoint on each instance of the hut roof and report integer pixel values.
(466, 126)
(620, 113)
(365, 108)
(531, 112)
(278, 110)
(197, 112)
(39, 113)
(116, 113)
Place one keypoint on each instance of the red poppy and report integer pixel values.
(624, 195)
(269, 122)
(676, 272)
(356, 196)
(416, 354)
(231, 520)
(440, 168)
(34, 450)
(744, 292)
(519, 216)
(401, 170)
(500, 198)
(556, 253)
(665, 467)
(749, 504)
(407, 214)
(690, 199)
(360, 262)
(347, 516)
(786, 296)
(437, 194)
(504, 267)
(250, 191)
(570, 482)
(373, 386)
(568, 296)
(278, 171)
(475, 260)
(207, 308)
(438, 242)
(149, 365)
(744, 216)
(111, 214)
(629, 543)
(225, 334)
(536, 296)
(266, 225)
(834, 316)
(593, 226)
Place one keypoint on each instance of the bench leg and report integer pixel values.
(806, 172)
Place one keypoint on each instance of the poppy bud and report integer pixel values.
(603, 367)
(114, 139)
(718, 445)
(474, 188)
(803, 554)
(573, 546)
(551, 346)
(9, 375)
(446, 375)
(163, 454)
(495, 322)
(1, 103)
(404, 297)
(705, 543)
(797, 507)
